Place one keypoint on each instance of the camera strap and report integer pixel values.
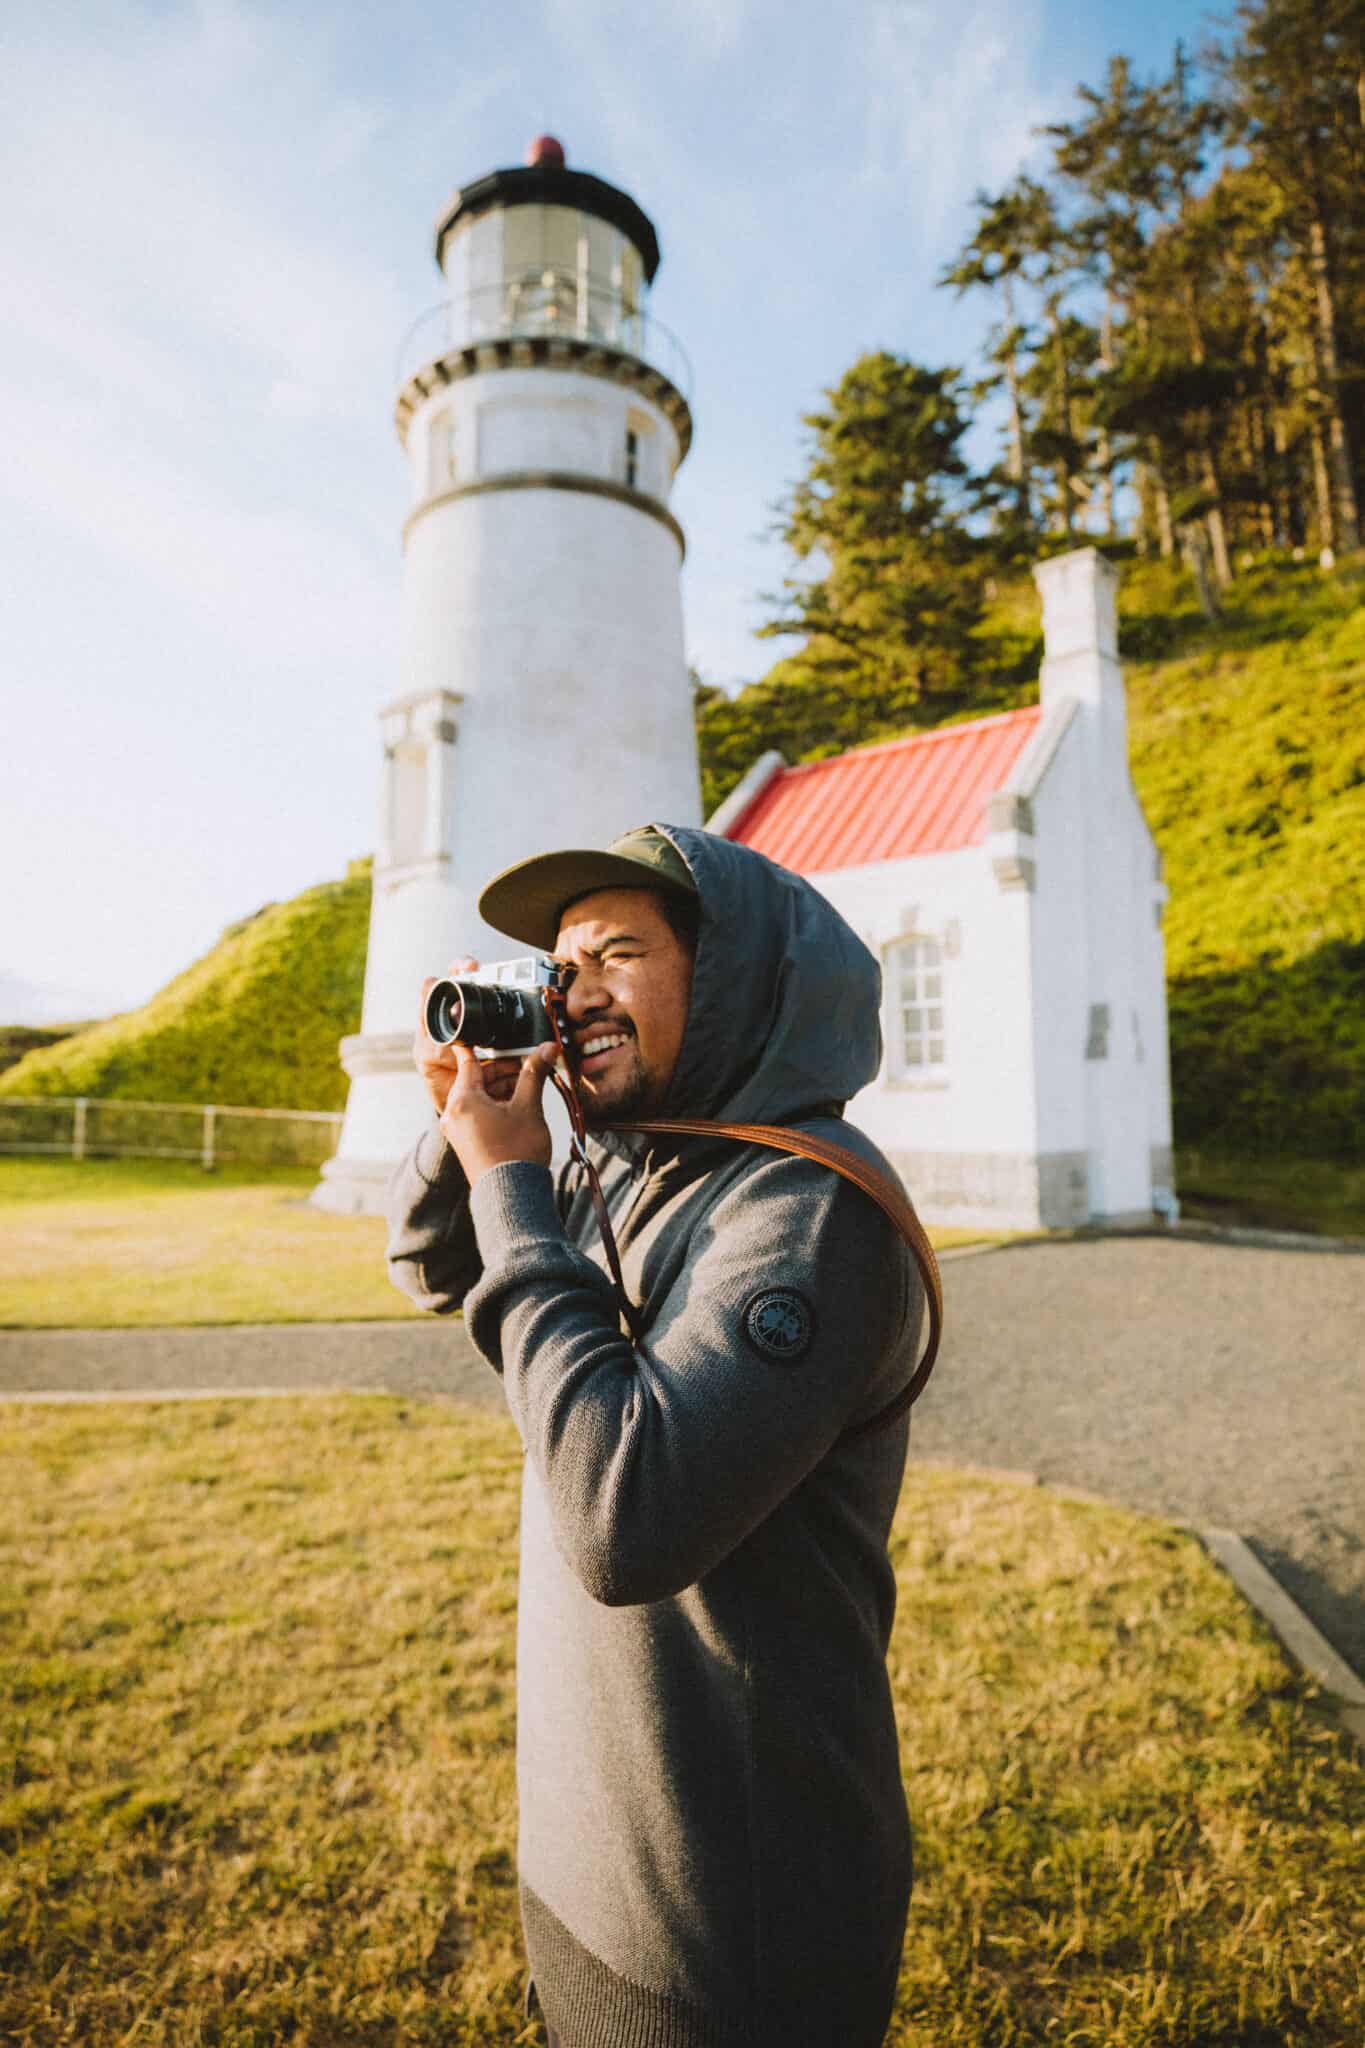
(889, 1196)
(578, 1146)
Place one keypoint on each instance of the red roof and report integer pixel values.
(926, 794)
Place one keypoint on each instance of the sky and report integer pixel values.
(216, 230)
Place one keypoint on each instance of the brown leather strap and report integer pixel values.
(630, 1314)
(890, 1198)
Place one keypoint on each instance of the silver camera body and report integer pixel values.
(503, 1010)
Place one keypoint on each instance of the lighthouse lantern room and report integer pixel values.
(544, 700)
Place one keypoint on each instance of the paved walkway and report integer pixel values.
(1212, 1383)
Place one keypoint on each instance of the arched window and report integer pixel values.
(440, 451)
(639, 468)
(408, 802)
(917, 1038)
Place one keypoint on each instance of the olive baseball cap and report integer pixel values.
(526, 900)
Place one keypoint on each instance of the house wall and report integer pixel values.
(1053, 1106)
(1150, 889)
(1061, 977)
(1094, 963)
(964, 1141)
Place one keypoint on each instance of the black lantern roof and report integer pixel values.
(552, 184)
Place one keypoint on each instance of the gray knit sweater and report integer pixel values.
(714, 1849)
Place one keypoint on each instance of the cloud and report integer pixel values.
(696, 32)
(154, 191)
(951, 102)
(35, 1003)
(203, 341)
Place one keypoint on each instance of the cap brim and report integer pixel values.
(526, 900)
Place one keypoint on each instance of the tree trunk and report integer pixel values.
(1208, 472)
(1105, 451)
(1061, 389)
(1338, 447)
(1193, 547)
(1322, 487)
(1217, 525)
(1146, 507)
(1164, 528)
(1016, 450)
(1259, 465)
(1284, 510)
(1015, 461)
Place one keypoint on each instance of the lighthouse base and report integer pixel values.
(387, 1109)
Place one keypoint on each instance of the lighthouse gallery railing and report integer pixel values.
(543, 304)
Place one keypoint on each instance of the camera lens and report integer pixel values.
(480, 1013)
(445, 1007)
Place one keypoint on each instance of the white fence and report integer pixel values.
(105, 1127)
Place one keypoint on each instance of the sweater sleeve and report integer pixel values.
(792, 1317)
(433, 1256)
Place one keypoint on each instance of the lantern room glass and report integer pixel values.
(545, 270)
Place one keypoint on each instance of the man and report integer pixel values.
(714, 1849)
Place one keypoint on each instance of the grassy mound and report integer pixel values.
(18, 1040)
(255, 1022)
(1248, 749)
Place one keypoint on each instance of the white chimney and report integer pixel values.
(1080, 628)
(1081, 677)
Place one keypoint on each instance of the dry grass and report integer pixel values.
(137, 1243)
(257, 1780)
(133, 1243)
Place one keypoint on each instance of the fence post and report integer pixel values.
(206, 1154)
(78, 1129)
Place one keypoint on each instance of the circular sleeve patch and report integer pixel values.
(779, 1323)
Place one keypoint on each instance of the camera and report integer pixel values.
(505, 1011)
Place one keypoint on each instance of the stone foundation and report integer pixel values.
(998, 1190)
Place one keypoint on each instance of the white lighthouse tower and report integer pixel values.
(544, 695)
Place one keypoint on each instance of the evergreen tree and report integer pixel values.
(1294, 89)
(889, 617)
(1135, 157)
(994, 259)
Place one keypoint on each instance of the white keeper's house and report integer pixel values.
(1005, 875)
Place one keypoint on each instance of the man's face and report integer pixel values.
(627, 1003)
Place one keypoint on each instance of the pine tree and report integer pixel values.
(889, 618)
(1294, 89)
(995, 259)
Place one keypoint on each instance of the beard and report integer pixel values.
(627, 1095)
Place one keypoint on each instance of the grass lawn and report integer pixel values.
(131, 1243)
(1314, 1195)
(257, 1752)
(127, 1243)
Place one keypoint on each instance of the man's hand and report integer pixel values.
(437, 1063)
(485, 1129)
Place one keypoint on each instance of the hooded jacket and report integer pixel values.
(714, 1850)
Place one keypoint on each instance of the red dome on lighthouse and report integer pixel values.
(546, 150)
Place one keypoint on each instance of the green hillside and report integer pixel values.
(254, 1023)
(18, 1040)
(1248, 747)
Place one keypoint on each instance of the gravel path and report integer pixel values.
(424, 1355)
(1211, 1383)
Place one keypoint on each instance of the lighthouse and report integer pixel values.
(544, 697)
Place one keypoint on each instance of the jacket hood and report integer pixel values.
(785, 1013)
